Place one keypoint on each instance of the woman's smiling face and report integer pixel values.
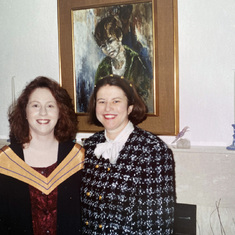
(42, 112)
(112, 109)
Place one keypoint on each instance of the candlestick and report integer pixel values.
(13, 89)
(234, 96)
(232, 146)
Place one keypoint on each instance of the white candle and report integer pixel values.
(13, 89)
(234, 97)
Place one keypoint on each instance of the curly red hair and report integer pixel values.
(67, 125)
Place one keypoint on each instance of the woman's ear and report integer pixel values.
(130, 108)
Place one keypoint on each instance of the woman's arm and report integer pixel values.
(157, 193)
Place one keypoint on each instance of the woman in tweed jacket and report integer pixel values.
(128, 183)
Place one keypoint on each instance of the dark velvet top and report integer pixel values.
(44, 207)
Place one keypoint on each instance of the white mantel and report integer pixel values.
(205, 176)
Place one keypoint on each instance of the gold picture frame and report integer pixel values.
(165, 119)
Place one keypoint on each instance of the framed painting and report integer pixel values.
(148, 30)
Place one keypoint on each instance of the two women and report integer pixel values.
(128, 179)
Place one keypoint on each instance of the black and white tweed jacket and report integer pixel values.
(134, 196)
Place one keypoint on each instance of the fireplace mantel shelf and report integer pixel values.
(204, 149)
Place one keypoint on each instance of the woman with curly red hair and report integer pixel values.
(40, 170)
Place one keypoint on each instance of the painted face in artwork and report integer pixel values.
(112, 47)
(112, 109)
(42, 112)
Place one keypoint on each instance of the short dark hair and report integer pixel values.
(139, 111)
(107, 26)
(66, 127)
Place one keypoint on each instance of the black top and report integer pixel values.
(134, 196)
(15, 206)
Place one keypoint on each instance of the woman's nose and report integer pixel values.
(43, 110)
(108, 106)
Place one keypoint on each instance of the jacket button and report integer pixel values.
(100, 197)
(100, 225)
(96, 166)
(108, 169)
(88, 194)
(86, 222)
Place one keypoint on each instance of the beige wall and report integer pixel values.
(205, 177)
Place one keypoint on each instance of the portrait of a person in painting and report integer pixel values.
(120, 59)
(119, 39)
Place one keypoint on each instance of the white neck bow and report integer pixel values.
(111, 148)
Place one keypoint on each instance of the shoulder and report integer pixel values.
(146, 136)
(149, 141)
(93, 140)
(65, 148)
(17, 149)
(149, 151)
(67, 145)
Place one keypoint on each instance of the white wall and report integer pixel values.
(206, 69)
(29, 47)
